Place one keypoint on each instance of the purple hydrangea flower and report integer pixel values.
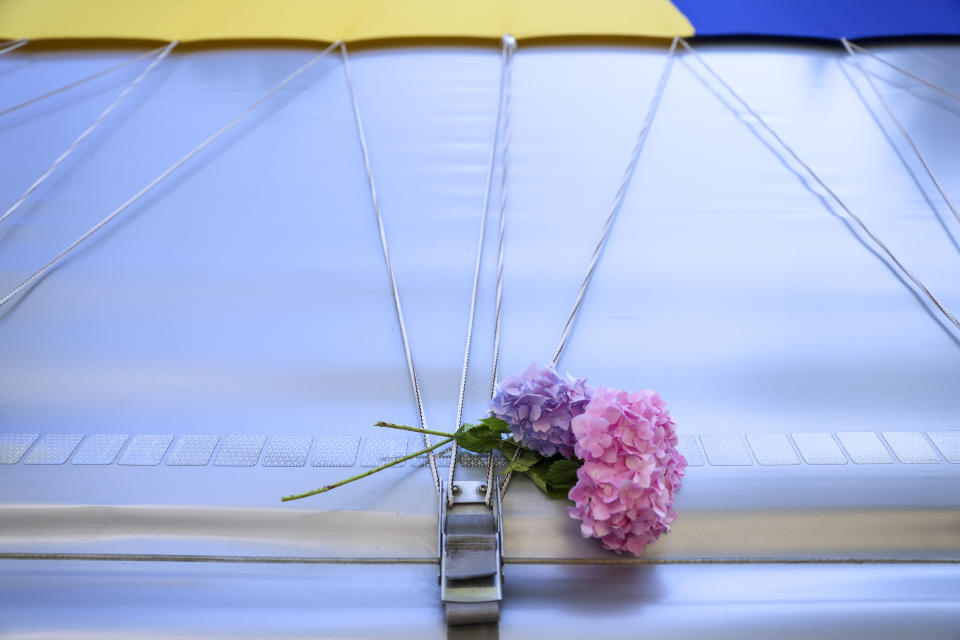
(539, 405)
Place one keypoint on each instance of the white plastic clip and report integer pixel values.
(509, 42)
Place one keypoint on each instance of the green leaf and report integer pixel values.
(508, 448)
(539, 480)
(484, 436)
(496, 424)
(527, 459)
(562, 474)
(538, 474)
(555, 476)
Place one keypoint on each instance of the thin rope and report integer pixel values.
(499, 298)
(618, 199)
(903, 130)
(503, 224)
(81, 81)
(12, 45)
(509, 476)
(393, 280)
(508, 46)
(508, 72)
(179, 163)
(902, 70)
(819, 181)
(106, 112)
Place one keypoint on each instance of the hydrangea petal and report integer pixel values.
(539, 405)
(632, 469)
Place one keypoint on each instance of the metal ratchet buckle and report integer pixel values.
(471, 554)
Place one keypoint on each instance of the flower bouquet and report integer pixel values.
(612, 453)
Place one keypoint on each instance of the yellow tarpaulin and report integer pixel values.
(330, 20)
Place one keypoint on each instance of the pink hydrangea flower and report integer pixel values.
(631, 470)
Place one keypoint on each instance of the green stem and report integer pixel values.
(365, 473)
(404, 427)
